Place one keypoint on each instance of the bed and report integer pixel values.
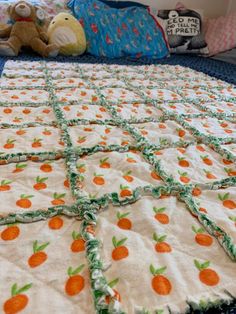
(118, 185)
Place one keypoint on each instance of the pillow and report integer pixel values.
(184, 29)
(123, 4)
(54, 7)
(115, 32)
(221, 33)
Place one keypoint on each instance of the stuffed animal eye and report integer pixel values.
(66, 18)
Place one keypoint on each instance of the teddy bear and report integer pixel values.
(25, 32)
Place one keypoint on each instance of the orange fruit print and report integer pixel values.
(196, 191)
(161, 246)
(207, 160)
(10, 233)
(40, 183)
(160, 215)
(58, 199)
(5, 185)
(38, 257)
(9, 144)
(19, 168)
(24, 201)
(125, 192)
(18, 300)
(207, 275)
(46, 167)
(184, 177)
(230, 172)
(120, 251)
(98, 179)
(55, 223)
(104, 163)
(127, 176)
(160, 284)
(226, 201)
(183, 162)
(201, 238)
(75, 284)
(78, 244)
(123, 222)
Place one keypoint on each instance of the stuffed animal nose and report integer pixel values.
(22, 6)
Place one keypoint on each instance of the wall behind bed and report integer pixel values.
(211, 8)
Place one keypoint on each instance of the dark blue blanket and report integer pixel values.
(218, 69)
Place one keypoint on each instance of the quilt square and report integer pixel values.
(167, 132)
(181, 108)
(41, 248)
(87, 136)
(117, 95)
(109, 82)
(77, 95)
(149, 83)
(19, 82)
(213, 127)
(170, 245)
(195, 164)
(138, 111)
(162, 94)
(196, 94)
(220, 207)
(10, 64)
(195, 84)
(22, 72)
(103, 173)
(86, 111)
(227, 108)
(94, 74)
(30, 186)
(24, 96)
(64, 73)
(20, 115)
(226, 92)
(33, 139)
(70, 82)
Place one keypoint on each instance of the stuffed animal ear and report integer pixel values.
(9, 9)
(40, 13)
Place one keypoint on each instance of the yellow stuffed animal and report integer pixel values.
(67, 33)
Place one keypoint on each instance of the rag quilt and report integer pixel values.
(117, 187)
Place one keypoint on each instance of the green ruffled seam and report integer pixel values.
(38, 87)
(223, 152)
(40, 156)
(57, 111)
(70, 160)
(79, 122)
(23, 104)
(207, 139)
(225, 240)
(26, 125)
(100, 287)
(41, 214)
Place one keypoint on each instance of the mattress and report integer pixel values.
(118, 189)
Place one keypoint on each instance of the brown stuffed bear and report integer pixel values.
(25, 32)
